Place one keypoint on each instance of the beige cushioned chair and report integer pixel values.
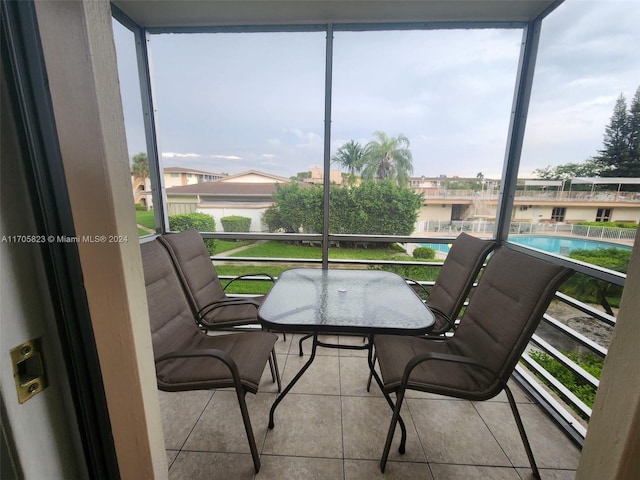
(213, 308)
(188, 359)
(475, 363)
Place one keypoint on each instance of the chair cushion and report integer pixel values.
(250, 351)
(444, 378)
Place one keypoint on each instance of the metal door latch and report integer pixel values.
(28, 369)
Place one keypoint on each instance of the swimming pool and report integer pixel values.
(562, 245)
(558, 245)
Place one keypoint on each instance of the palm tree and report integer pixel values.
(140, 167)
(350, 156)
(388, 158)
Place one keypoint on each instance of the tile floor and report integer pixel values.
(330, 427)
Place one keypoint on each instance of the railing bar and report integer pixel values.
(571, 425)
(588, 309)
(564, 392)
(593, 346)
(565, 361)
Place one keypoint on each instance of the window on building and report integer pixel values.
(603, 215)
(558, 214)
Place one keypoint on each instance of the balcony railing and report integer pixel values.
(530, 228)
(520, 195)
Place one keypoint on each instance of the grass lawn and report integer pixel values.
(146, 219)
(277, 249)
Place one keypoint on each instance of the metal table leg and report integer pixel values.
(293, 382)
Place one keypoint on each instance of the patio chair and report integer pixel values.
(455, 279)
(213, 308)
(476, 362)
(454, 282)
(186, 358)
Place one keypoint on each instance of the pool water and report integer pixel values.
(562, 245)
(557, 245)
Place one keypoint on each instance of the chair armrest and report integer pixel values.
(417, 284)
(224, 303)
(270, 277)
(221, 355)
(441, 314)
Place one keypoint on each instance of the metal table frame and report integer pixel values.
(315, 300)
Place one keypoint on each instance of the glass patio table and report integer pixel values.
(366, 302)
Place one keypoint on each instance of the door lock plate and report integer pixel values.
(29, 369)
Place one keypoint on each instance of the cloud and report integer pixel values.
(180, 155)
(226, 157)
(268, 155)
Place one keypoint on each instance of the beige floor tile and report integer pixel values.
(551, 448)
(303, 468)
(365, 425)
(453, 432)
(546, 474)
(322, 377)
(211, 466)
(180, 412)
(306, 425)
(221, 429)
(354, 373)
(171, 456)
(370, 470)
(472, 472)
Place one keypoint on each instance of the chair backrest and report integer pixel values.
(505, 309)
(194, 264)
(172, 323)
(458, 272)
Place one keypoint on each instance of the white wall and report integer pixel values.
(435, 212)
(255, 214)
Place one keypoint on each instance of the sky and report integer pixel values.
(237, 102)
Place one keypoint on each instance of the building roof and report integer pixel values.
(267, 176)
(606, 180)
(190, 170)
(220, 188)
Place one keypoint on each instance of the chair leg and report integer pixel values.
(247, 427)
(273, 360)
(375, 357)
(392, 429)
(523, 434)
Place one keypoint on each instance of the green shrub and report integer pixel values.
(590, 290)
(235, 223)
(200, 221)
(424, 253)
(575, 384)
(140, 207)
(609, 224)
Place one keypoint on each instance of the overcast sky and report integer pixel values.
(236, 102)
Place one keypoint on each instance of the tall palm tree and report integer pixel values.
(350, 156)
(388, 158)
(140, 167)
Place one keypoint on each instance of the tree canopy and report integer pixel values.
(620, 153)
(385, 158)
(372, 208)
(350, 156)
(140, 167)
